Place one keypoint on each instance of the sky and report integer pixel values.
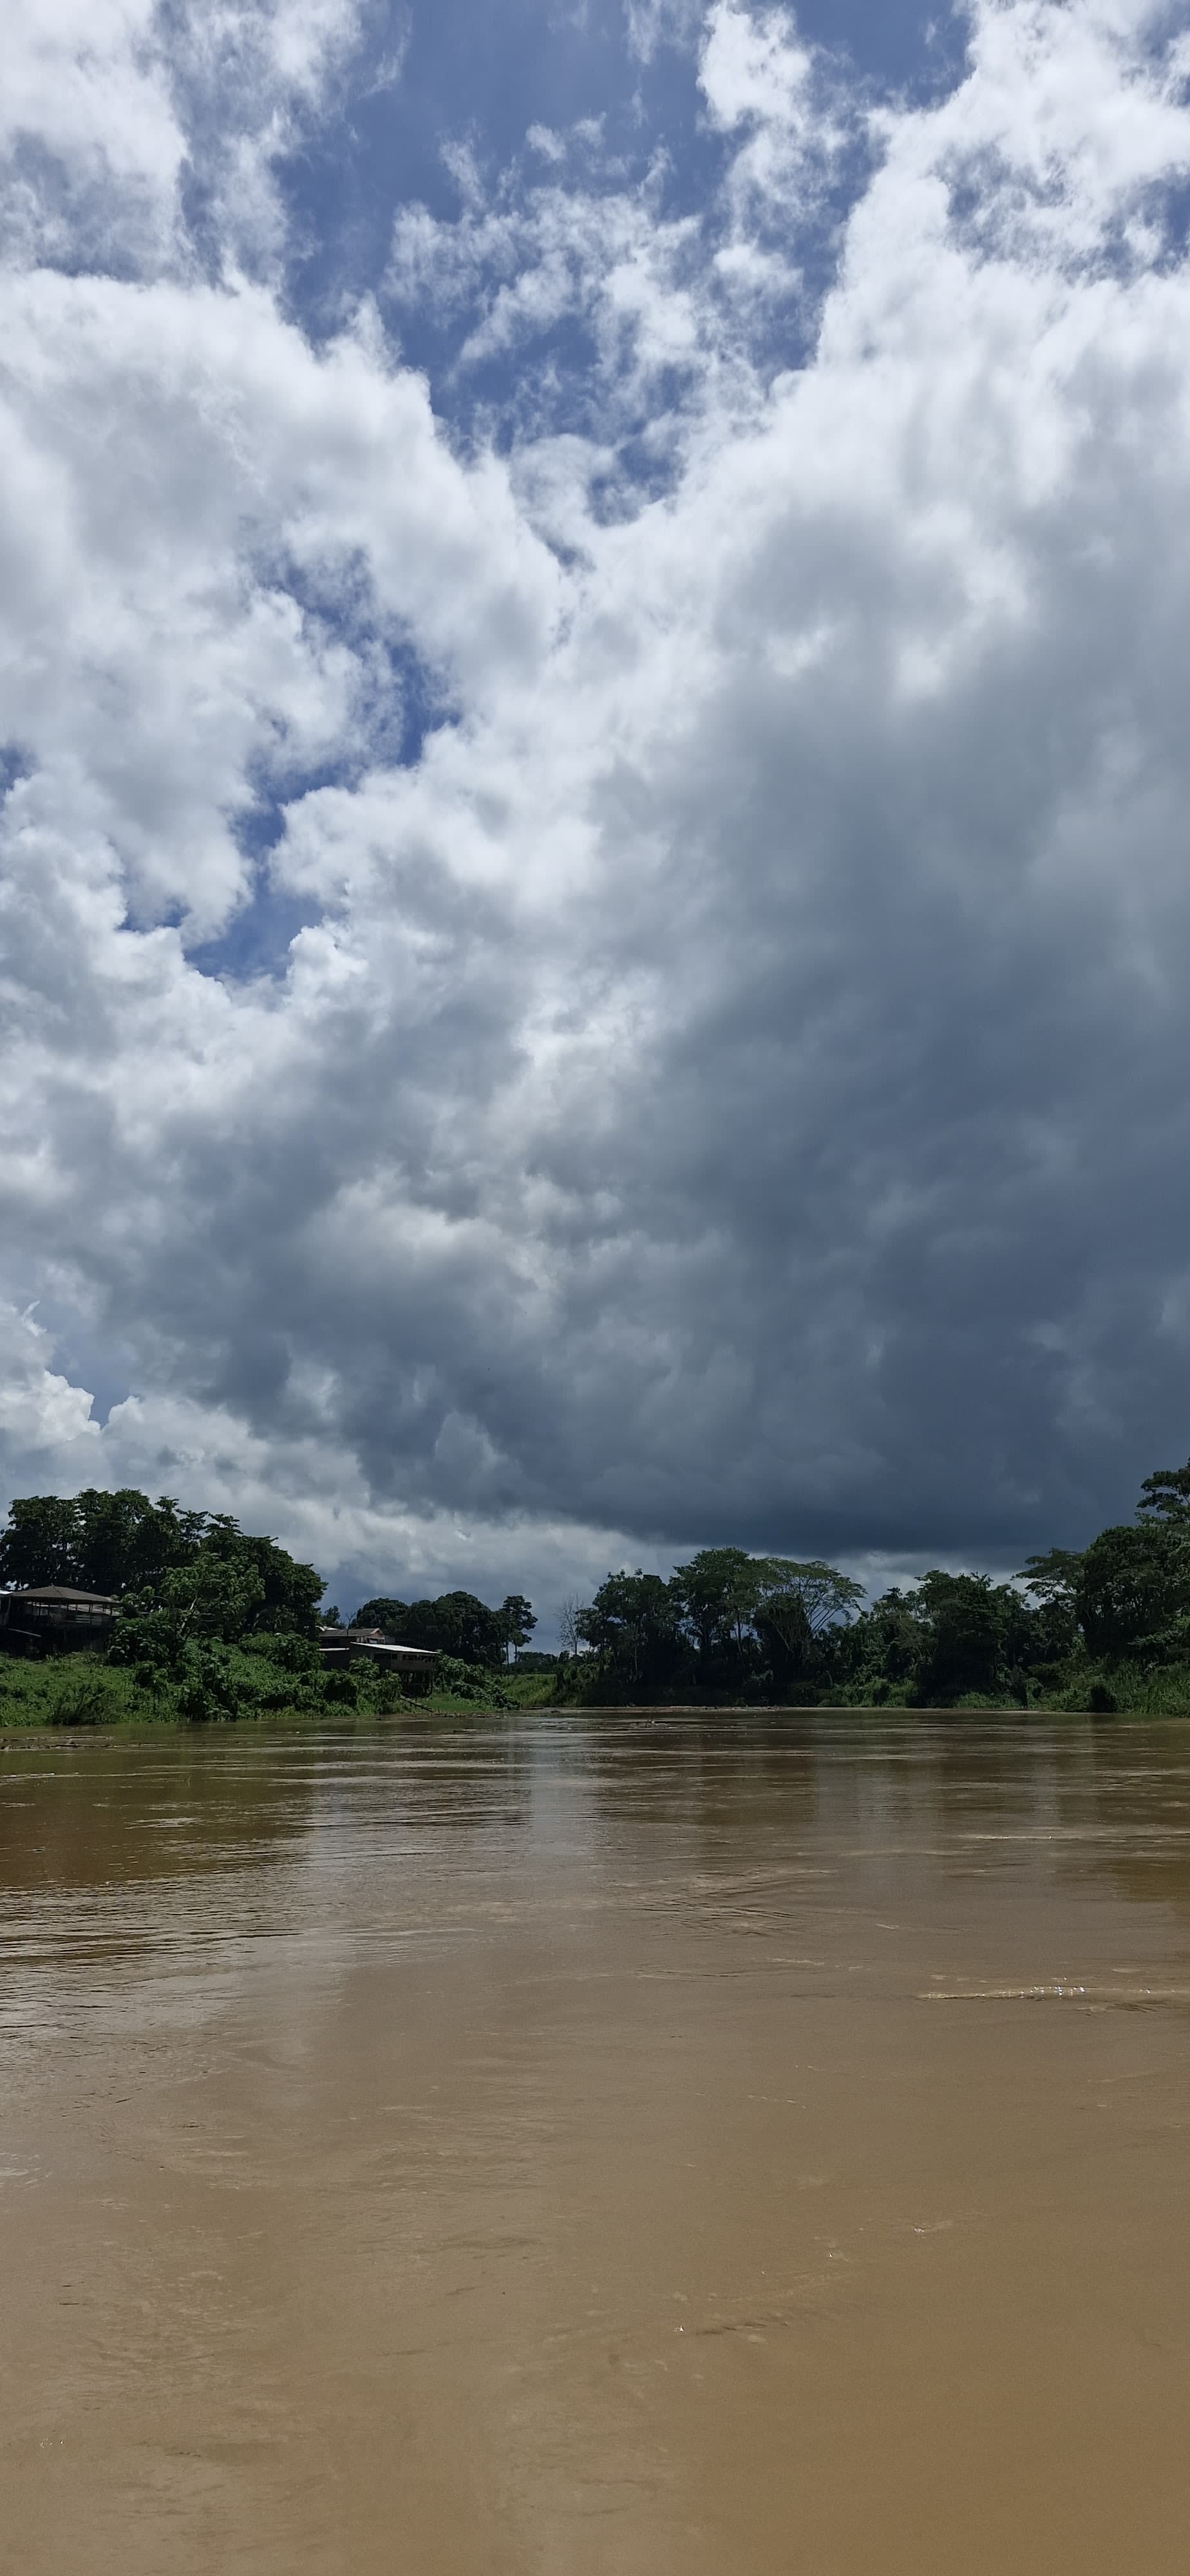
(594, 909)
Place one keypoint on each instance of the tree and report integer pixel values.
(219, 1596)
(455, 1624)
(952, 1637)
(1166, 1494)
(123, 1540)
(1054, 1576)
(214, 1599)
(1051, 1630)
(465, 1627)
(742, 1610)
(290, 1591)
(1134, 1585)
(570, 1611)
(634, 1626)
(885, 1645)
(97, 1541)
(827, 1599)
(963, 1620)
(718, 1592)
(38, 1545)
(383, 1612)
(518, 1623)
(796, 1600)
(801, 1612)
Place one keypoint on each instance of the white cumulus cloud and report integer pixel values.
(730, 1075)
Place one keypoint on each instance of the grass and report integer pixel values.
(76, 1691)
(73, 1690)
(530, 1690)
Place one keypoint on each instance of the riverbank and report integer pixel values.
(77, 1692)
(86, 1691)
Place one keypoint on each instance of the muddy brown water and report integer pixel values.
(597, 2148)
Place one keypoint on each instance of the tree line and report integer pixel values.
(1105, 1626)
(121, 1544)
(200, 1597)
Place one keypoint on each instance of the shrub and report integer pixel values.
(341, 1689)
(85, 1699)
(285, 1652)
(207, 1693)
(469, 1681)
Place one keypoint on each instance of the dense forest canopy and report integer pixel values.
(121, 1543)
(1088, 1627)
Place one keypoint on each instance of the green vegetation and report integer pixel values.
(725, 1625)
(205, 1682)
(216, 1624)
(1103, 1629)
(456, 1624)
(229, 1683)
(122, 1543)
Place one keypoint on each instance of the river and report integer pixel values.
(597, 2147)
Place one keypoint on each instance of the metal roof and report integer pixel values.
(64, 1592)
(411, 1654)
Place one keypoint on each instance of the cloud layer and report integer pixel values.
(702, 795)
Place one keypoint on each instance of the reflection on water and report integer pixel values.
(605, 2147)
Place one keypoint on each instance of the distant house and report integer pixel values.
(413, 1665)
(53, 1618)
